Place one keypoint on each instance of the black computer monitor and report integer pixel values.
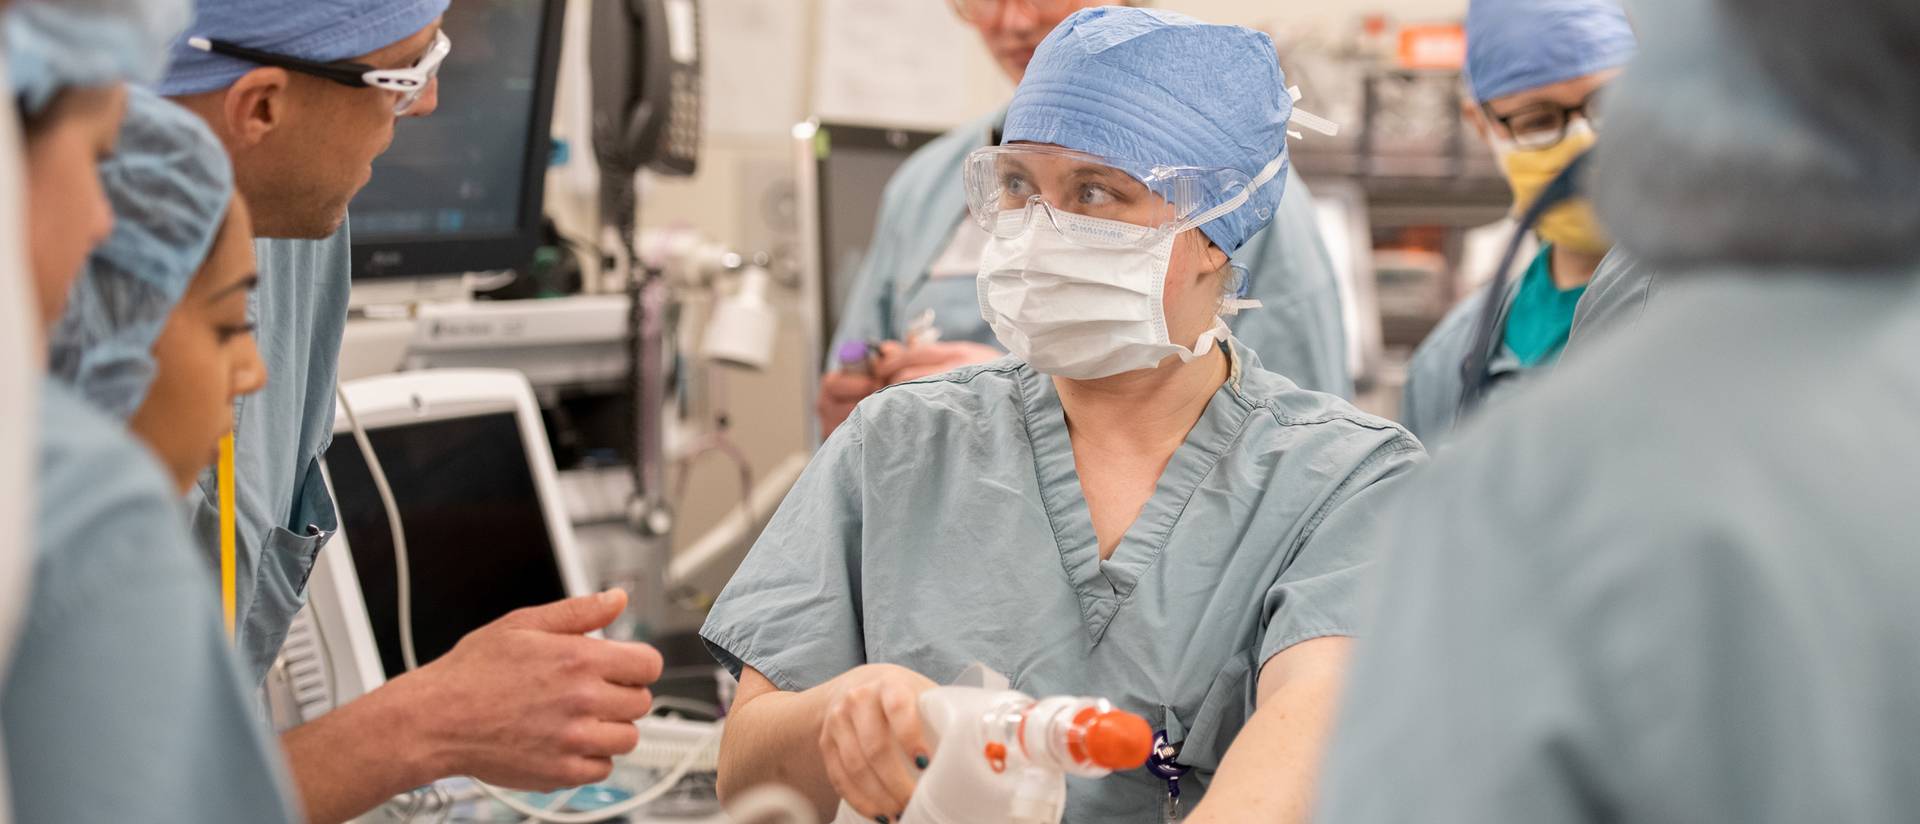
(852, 165)
(479, 543)
(462, 190)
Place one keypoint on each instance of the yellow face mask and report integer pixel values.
(1571, 225)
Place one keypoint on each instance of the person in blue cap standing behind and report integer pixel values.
(503, 705)
(1538, 70)
(924, 253)
(1128, 506)
(123, 701)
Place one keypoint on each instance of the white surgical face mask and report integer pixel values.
(1093, 306)
(1079, 312)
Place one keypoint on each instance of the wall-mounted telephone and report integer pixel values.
(646, 115)
(646, 85)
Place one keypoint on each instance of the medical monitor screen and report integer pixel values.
(476, 534)
(459, 190)
(854, 165)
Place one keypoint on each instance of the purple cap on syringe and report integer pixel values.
(853, 356)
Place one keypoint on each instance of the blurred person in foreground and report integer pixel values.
(1617, 297)
(1538, 70)
(20, 347)
(1694, 600)
(122, 701)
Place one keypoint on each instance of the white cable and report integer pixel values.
(660, 788)
(402, 575)
(403, 582)
(775, 803)
(557, 802)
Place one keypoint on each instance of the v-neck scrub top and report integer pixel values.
(945, 524)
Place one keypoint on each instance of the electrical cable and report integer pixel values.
(772, 802)
(402, 566)
(608, 813)
(557, 802)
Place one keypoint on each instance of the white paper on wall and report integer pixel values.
(896, 62)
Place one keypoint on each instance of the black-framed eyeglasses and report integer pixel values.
(976, 10)
(1544, 125)
(409, 83)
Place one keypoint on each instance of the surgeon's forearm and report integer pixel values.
(1270, 771)
(774, 738)
(354, 758)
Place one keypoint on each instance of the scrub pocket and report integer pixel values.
(1205, 731)
(280, 581)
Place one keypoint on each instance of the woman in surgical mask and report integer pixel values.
(1537, 71)
(911, 309)
(1128, 507)
(122, 673)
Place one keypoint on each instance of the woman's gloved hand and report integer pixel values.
(871, 740)
(841, 390)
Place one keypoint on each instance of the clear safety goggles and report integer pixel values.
(1132, 203)
(1543, 125)
(1008, 187)
(408, 84)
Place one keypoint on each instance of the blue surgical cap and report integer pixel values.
(1515, 46)
(170, 184)
(319, 30)
(53, 46)
(1162, 88)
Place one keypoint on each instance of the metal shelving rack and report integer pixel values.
(1418, 164)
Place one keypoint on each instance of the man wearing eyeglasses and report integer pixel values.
(305, 95)
(918, 276)
(1536, 69)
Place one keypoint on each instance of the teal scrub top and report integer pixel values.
(945, 524)
(123, 701)
(1298, 331)
(1690, 598)
(280, 434)
(1430, 399)
(1541, 315)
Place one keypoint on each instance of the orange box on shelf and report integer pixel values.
(1433, 46)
